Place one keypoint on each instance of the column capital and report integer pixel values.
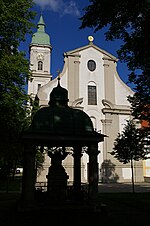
(93, 149)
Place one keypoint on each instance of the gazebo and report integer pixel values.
(59, 125)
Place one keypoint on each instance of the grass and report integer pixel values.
(122, 208)
(139, 201)
(11, 184)
(116, 208)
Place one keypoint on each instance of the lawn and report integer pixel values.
(122, 208)
(115, 208)
(11, 184)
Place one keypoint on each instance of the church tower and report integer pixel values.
(40, 57)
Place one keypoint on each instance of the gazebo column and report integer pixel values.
(93, 173)
(28, 183)
(77, 172)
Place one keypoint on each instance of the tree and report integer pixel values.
(129, 21)
(131, 144)
(16, 21)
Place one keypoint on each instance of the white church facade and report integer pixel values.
(94, 86)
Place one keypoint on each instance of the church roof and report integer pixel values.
(40, 37)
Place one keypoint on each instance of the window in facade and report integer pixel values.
(91, 65)
(92, 95)
(94, 122)
(39, 85)
(40, 65)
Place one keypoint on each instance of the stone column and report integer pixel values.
(29, 175)
(93, 173)
(77, 172)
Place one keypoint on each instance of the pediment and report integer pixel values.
(76, 52)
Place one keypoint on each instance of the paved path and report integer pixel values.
(124, 187)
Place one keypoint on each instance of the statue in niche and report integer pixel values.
(57, 176)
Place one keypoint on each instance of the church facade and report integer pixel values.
(94, 86)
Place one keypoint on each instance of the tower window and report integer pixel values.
(92, 95)
(40, 65)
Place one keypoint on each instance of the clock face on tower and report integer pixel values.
(40, 56)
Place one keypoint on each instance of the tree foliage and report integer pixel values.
(129, 21)
(16, 21)
(131, 144)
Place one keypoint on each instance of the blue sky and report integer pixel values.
(62, 24)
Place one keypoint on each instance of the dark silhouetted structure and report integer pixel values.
(58, 125)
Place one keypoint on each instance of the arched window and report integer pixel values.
(40, 65)
(94, 122)
(39, 86)
(92, 94)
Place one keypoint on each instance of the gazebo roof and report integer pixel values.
(58, 120)
(60, 123)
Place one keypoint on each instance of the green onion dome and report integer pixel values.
(40, 37)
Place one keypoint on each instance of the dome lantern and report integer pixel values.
(59, 96)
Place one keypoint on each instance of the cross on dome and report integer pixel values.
(58, 76)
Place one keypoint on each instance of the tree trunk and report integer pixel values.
(132, 176)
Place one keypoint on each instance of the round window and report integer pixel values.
(91, 65)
